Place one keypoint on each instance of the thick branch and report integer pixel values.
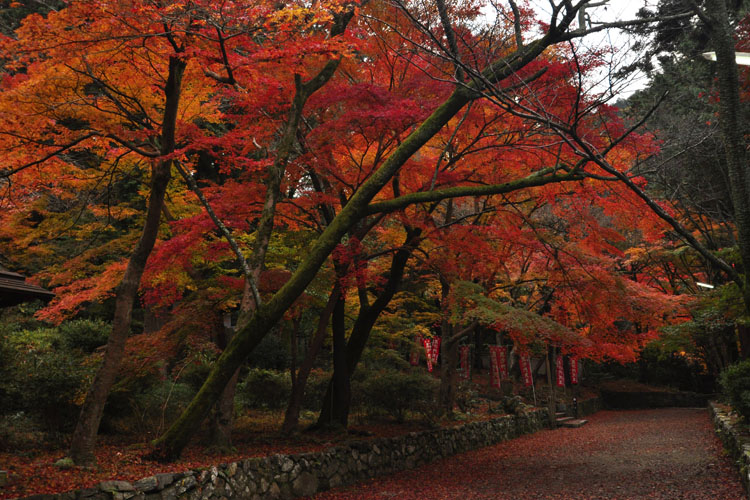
(540, 178)
(450, 35)
(463, 332)
(516, 23)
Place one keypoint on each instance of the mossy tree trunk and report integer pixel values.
(83, 442)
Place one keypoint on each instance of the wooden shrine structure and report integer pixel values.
(14, 289)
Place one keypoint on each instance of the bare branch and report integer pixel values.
(450, 35)
(223, 229)
(6, 173)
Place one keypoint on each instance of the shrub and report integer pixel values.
(84, 334)
(397, 392)
(384, 359)
(272, 353)
(735, 382)
(467, 398)
(159, 405)
(8, 394)
(264, 389)
(20, 432)
(315, 389)
(50, 385)
(44, 374)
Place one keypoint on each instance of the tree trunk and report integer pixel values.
(223, 417)
(331, 414)
(291, 416)
(478, 349)
(83, 441)
(743, 335)
(447, 391)
(223, 424)
(448, 371)
(552, 406)
(335, 410)
(732, 129)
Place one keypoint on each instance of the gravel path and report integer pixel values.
(650, 454)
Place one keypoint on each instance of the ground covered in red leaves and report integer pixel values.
(36, 473)
(33, 472)
(648, 454)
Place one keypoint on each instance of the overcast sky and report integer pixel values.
(615, 10)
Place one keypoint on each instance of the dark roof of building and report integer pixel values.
(14, 289)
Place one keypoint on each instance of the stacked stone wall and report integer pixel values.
(304, 474)
(735, 443)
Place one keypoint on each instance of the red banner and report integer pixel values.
(502, 362)
(494, 367)
(435, 350)
(525, 364)
(574, 370)
(560, 372)
(414, 354)
(499, 356)
(432, 349)
(465, 364)
(427, 343)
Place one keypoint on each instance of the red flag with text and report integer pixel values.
(435, 350)
(574, 370)
(498, 364)
(525, 364)
(560, 372)
(432, 348)
(427, 343)
(502, 361)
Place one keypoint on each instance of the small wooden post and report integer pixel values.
(552, 406)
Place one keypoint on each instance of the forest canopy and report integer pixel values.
(205, 177)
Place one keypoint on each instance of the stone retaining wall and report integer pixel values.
(633, 400)
(292, 476)
(737, 445)
(588, 407)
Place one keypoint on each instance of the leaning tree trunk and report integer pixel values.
(223, 417)
(83, 441)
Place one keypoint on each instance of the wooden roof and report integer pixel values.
(14, 289)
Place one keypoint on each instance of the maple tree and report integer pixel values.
(357, 341)
(101, 114)
(122, 114)
(327, 125)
